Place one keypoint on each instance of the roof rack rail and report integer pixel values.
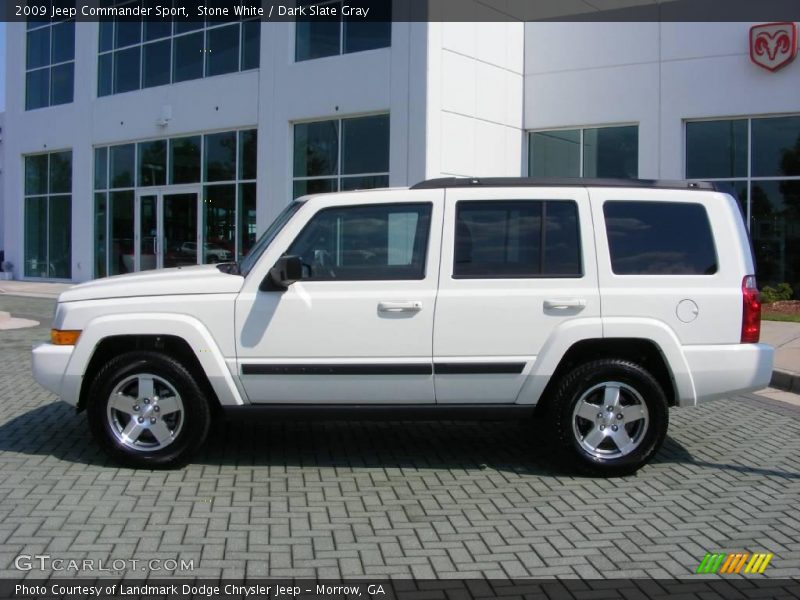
(460, 182)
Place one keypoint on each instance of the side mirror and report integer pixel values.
(286, 271)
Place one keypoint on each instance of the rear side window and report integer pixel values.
(355, 243)
(517, 239)
(659, 238)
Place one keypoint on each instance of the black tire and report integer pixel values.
(569, 433)
(188, 427)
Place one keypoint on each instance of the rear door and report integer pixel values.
(517, 263)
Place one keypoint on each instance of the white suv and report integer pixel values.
(596, 305)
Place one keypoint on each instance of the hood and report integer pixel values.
(202, 279)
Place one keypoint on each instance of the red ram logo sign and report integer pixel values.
(773, 45)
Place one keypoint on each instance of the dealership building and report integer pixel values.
(136, 145)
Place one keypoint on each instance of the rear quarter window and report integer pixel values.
(659, 238)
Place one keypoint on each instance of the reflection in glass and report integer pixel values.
(365, 145)
(222, 46)
(248, 154)
(148, 232)
(247, 217)
(220, 157)
(156, 63)
(104, 73)
(63, 42)
(36, 237)
(62, 81)
(38, 48)
(36, 174)
(122, 160)
(219, 220)
(611, 152)
(317, 37)
(153, 163)
(126, 70)
(187, 60)
(184, 160)
(775, 231)
(313, 186)
(60, 172)
(360, 34)
(364, 182)
(776, 147)
(716, 149)
(180, 230)
(37, 89)
(121, 255)
(316, 149)
(251, 44)
(59, 246)
(554, 153)
(100, 225)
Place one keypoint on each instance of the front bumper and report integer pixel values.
(49, 364)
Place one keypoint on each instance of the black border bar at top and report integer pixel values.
(433, 10)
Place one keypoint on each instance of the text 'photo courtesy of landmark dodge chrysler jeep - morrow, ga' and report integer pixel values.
(592, 306)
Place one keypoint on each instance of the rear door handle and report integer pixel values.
(565, 303)
(396, 307)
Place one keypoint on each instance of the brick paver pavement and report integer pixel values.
(391, 499)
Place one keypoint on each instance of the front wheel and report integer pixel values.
(608, 417)
(146, 410)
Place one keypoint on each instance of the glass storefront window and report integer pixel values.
(594, 152)
(769, 195)
(133, 54)
(343, 154)
(160, 176)
(49, 64)
(336, 34)
(48, 215)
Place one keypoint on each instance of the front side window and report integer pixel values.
(611, 152)
(355, 243)
(659, 238)
(48, 215)
(49, 64)
(332, 32)
(517, 239)
(136, 54)
(342, 154)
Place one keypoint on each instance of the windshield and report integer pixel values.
(265, 240)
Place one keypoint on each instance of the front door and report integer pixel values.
(357, 328)
(167, 228)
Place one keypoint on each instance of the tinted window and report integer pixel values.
(378, 242)
(505, 239)
(555, 153)
(659, 238)
(716, 149)
(611, 152)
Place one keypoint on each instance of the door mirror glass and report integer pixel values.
(286, 271)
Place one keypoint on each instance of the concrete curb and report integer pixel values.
(786, 380)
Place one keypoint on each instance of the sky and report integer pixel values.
(2, 66)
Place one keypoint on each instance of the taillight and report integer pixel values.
(751, 311)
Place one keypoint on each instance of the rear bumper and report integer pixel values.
(49, 364)
(719, 371)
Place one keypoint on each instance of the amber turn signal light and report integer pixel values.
(65, 337)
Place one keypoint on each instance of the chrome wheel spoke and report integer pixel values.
(595, 437)
(611, 395)
(161, 432)
(132, 431)
(123, 403)
(146, 387)
(587, 411)
(168, 405)
(621, 438)
(633, 413)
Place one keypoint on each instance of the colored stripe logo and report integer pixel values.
(734, 563)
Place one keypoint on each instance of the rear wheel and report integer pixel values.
(146, 410)
(608, 417)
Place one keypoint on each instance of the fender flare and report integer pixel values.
(189, 329)
(569, 333)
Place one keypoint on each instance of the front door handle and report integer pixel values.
(565, 303)
(396, 307)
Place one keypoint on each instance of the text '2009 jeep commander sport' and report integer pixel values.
(595, 304)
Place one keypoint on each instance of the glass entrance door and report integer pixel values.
(179, 223)
(166, 228)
